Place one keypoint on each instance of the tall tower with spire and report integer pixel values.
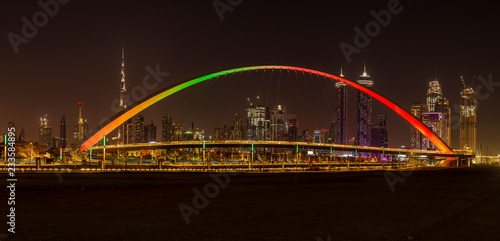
(125, 130)
(62, 133)
(341, 122)
(364, 110)
(123, 90)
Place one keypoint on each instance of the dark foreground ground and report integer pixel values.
(452, 204)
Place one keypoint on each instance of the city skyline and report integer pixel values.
(99, 69)
(142, 133)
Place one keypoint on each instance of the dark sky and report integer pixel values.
(76, 55)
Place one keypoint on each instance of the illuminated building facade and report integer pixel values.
(365, 102)
(379, 133)
(417, 109)
(292, 129)
(443, 106)
(468, 119)
(278, 124)
(434, 95)
(433, 121)
(258, 124)
(238, 130)
(151, 132)
(166, 127)
(331, 133)
(45, 133)
(341, 111)
(140, 130)
(62, 133)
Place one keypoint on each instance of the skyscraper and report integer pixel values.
(151, 128)
(79, 131)
(331, 133)
(433, 121)
(85, 128)
(417, 109)
(292, 130)
(166, 127)
(436, 103)
(238, 132)
(45, 133)
(277, 124)
(128, 132)
(364, 111)
(140, 129)
(62, 132)
(468, 119)
(443, 106)
(125, 130)
(341, 122)
(22, 135)
(379, 133)
(434, 95)
(257, 122)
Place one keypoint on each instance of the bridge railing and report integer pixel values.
(284, 143)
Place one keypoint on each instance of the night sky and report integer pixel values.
(76, 57)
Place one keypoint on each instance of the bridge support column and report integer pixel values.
(103, 161)
(203, 160)
(38, 165)
(296, 156)
(251, 160)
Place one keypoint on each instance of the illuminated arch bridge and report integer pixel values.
(115, 121)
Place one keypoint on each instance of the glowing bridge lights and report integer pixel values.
(115, 121)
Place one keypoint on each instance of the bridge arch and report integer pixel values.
(122, 116)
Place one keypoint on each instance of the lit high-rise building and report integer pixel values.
(238, 130)
(331, 133)
(443, 106)
(278, 124)
(62, 133)
(292, 130)
(55, 142)
(433, 121)
(22, 135)
(434, 95)
(341, 122)
(166, 127)
(379, 133)
(320, 136)
(177, 132)
(125, 130)
(85, 128)
(151, 132)
(468, 119)
(417, 109)
(45, 133)
(364, 111)
(140, 129)
(258, 122)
